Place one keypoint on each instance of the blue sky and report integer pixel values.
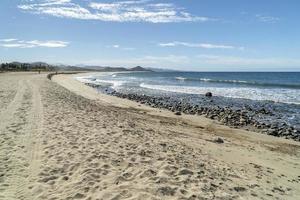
(198, 35)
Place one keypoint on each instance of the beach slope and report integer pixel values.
(61, 139)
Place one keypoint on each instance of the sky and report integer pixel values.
(193, 35)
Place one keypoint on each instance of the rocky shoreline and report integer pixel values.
(246, 117)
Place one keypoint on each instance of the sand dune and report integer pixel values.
(62, 140)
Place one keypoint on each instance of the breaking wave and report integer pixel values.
(240, 82)
(283, 95)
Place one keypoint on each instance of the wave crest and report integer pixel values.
(239, 82)
(261, 94)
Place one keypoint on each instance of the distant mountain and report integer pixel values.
(138, 69)
(39, 64)
(71, 68)
(113, 69)
(18, 66)
(91, 67)
(160, 69)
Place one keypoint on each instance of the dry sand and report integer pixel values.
(62, 140)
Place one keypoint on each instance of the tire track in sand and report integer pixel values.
(10, 129)
(19, 130)
(34, 137)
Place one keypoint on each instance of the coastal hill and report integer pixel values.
(138, 68)
(35, 66)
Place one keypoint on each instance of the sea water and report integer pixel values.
(273, 86)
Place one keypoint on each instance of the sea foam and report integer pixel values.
(272, 94)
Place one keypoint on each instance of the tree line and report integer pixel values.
(16, 66)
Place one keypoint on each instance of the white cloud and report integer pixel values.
(15, 43)
(267, 19)
(117, 46)
(122, 11)
(199, 45)
(8, 40)
(50, 44)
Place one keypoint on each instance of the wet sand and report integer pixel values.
(61, 139)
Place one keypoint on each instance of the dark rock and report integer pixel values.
(256, 115)
(178, 113)
(273, 132)
(208, 94)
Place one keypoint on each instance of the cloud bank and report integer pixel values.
(198, 45)
(16, 43)
(122, 11)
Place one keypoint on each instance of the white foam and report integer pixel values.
(85, 79)
(205, 79)
(277, 95)
(209, 80)
(91, 79)
(115, 84)
(180, 78)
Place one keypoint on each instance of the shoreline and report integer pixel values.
(245, 115)
(80, 88)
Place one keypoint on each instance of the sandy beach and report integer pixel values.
(61, 139)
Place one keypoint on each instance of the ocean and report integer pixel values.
(276, 92)
(281, 87)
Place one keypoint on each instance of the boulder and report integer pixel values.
(208, 94)
(178, 113)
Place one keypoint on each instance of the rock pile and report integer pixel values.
(237, 118)
(227, 116)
